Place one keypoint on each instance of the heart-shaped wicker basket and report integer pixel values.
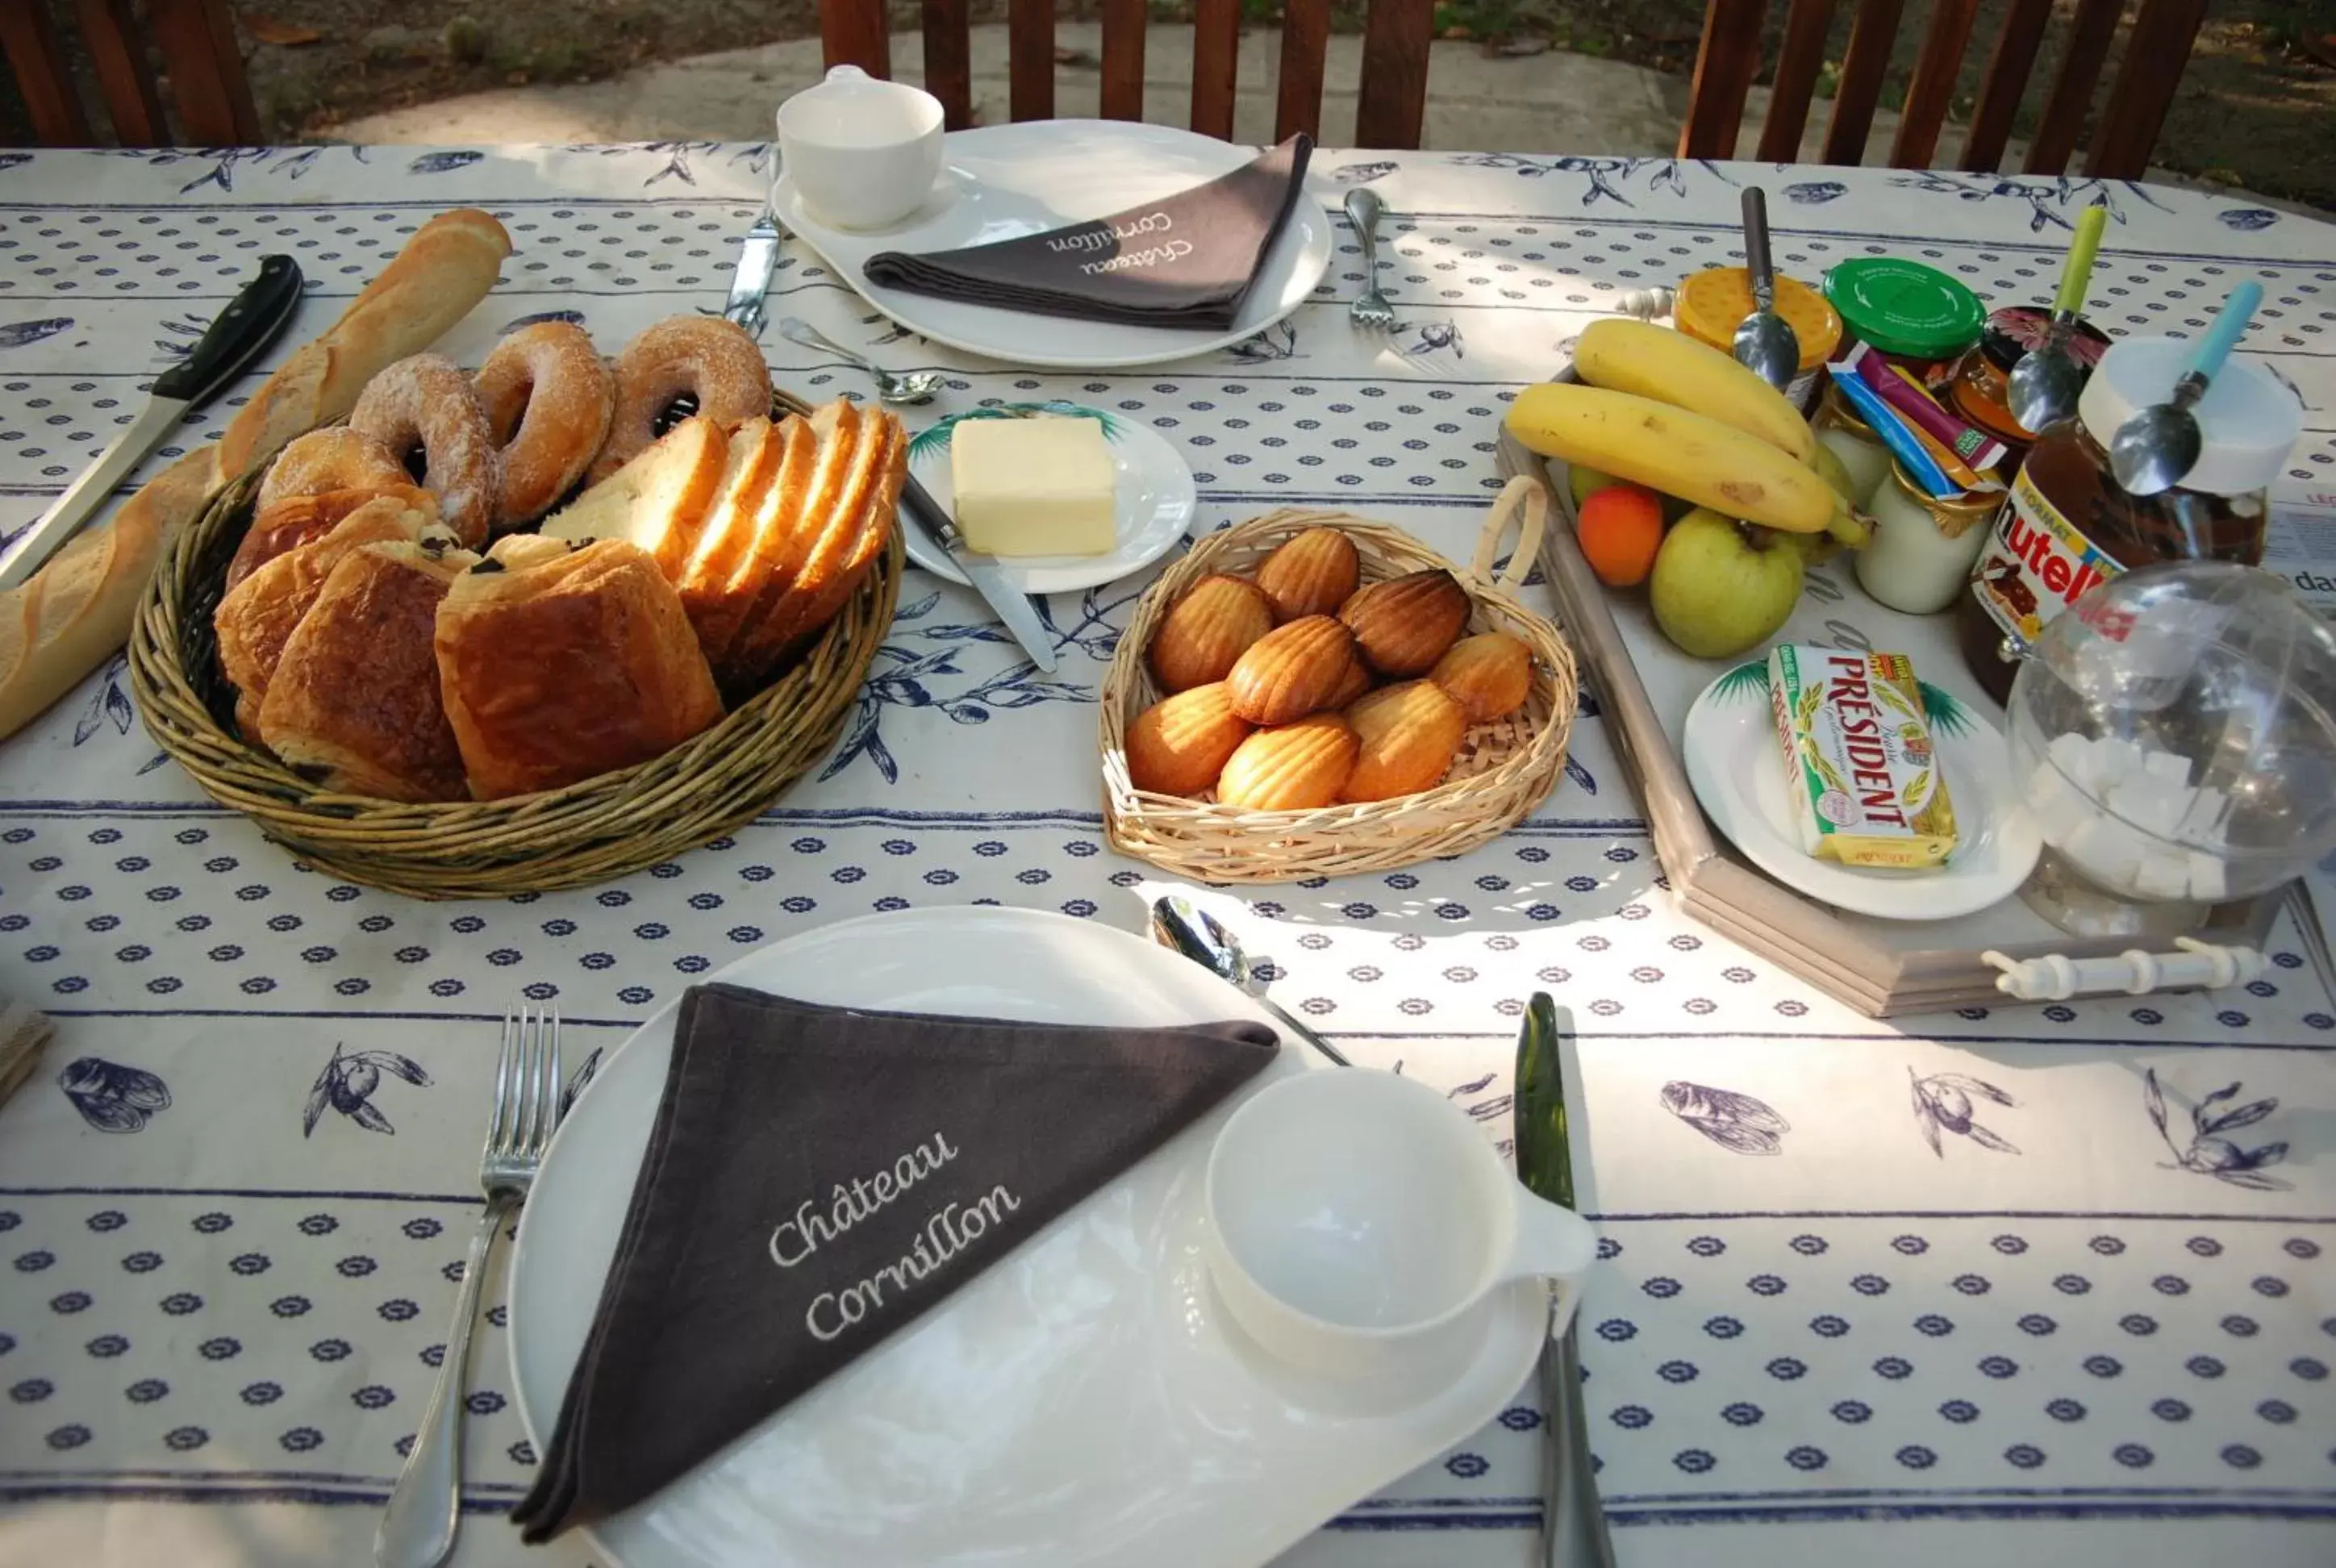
(604, 827)
(1503, 771)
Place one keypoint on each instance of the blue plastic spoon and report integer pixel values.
(2153, 450)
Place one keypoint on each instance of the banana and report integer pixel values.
(1676, 451)
(1669, 366)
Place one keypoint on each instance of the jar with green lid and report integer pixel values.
(1914, 314)
(1852, 440)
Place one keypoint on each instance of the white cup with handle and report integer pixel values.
(1359, 1219)
(863, 152)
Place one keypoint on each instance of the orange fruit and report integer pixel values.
(1621, 528)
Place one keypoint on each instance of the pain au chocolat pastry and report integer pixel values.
(562, 660)
(258, 616)
(354, 702)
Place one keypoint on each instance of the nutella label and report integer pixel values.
(2035, 564)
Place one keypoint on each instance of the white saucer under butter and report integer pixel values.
(1083, 1403)
(1737, 770)
(1004, 181)
(1154, 501)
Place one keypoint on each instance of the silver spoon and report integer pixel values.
(1766, 344)
(1179, 927)
(2045, 381)
(904, 387)
(2153, 450)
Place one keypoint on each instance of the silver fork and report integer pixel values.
(417, 1530)
(1369, 308)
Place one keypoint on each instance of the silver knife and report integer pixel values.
(252, 320)
(1573, 1521)
(750, 283)
(1012, 604)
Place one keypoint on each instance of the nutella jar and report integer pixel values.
(2067, 526)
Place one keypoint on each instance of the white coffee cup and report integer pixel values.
(1357, 1219)
(863, 153)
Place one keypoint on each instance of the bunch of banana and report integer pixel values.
(1662, 409)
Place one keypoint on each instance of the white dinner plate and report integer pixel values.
(1081, 1402)
(1153, 502)
(1004, 181)
(1740, 780)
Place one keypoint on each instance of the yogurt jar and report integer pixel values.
(1920, 558)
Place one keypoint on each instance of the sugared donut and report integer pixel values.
(427, 402)
(712, 360)
(548, 399)
(337, 458)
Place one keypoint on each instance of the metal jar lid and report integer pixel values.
(1904, 307)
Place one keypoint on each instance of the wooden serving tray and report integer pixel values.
(1879, 967)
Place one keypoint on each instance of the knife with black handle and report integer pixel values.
(253, 320)
(1573, 1521)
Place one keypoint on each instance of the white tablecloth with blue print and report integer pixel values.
(2020, 1284)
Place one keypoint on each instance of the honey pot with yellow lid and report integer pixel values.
(1710, 304)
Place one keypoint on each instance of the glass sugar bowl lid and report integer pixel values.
(2175, 736)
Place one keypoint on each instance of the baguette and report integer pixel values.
(78, 609)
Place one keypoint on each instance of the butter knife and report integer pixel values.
(1574, 1523)
(750, 284)
(988, 578)
(253, 320)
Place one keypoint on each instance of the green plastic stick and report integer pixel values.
(2077, 275)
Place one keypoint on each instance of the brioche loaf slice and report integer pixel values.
(785, 501)
(655, 501)
(727, 534)
(844, 524)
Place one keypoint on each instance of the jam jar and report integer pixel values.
(1980, 381)
(1711, 304)
(2068, 525)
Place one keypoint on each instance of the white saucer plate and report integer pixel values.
(1739, 777)
(1082, 1402)
(1154, 500)
(1004, 181)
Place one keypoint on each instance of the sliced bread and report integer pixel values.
(658, 500)
(728, 532)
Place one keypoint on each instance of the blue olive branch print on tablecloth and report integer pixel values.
(1434, 337)
(1276, 342)
(2210, 1154)
(110, 1098)
(903, 678)
(2051, 201)
(1943, 1100)
(583, 1077)
(1606, 176)
(109, 702)
(348, 1082)
(1361, 174)
(292, 161)
(1737, 1122)
(16, 335)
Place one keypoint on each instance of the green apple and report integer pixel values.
(1720, 587)
(1585, 482)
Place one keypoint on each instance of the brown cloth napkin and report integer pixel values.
(1188, 261)
(818, 1177)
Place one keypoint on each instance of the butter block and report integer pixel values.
(1039, 486)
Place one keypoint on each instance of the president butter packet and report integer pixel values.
(1862, 777)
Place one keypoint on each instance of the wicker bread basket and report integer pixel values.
(601, 828)
(1504, 769)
